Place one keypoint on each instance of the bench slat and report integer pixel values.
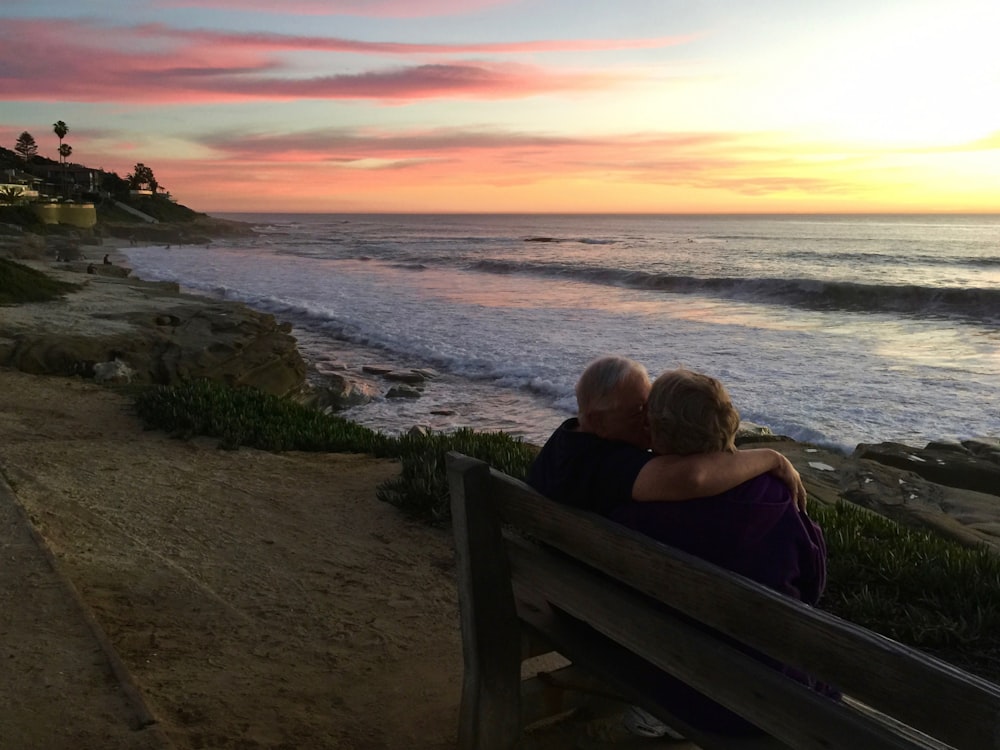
(604, 658)
(921, 691)
(784, 708)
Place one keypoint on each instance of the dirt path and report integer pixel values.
(258, 600)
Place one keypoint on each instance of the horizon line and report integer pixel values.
(618, 213)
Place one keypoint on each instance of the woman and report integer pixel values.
(754, 529)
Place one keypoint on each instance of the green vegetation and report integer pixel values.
(142, 178)
(160, 208)
(910, 585)
(248, 417)
(421, 491)
(914, 586)
(18, 283)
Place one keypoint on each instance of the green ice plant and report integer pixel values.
(19, 284)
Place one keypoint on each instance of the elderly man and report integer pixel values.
(601, 459)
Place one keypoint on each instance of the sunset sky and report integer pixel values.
(517, 105)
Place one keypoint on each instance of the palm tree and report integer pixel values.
(64, 151)
(60, 129)
(10, 195)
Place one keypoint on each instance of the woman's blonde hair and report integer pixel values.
(691, 413)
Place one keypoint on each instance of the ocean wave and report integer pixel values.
(889, 259)
(813, 294)
(578, 240)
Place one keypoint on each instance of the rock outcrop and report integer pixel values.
(970, 465)
(957, 498)
(160, 335)
(332, 392)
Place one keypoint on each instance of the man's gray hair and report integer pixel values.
(596, 389)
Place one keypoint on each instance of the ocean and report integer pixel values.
(830, 329)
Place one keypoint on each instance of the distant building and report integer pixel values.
(72, 179)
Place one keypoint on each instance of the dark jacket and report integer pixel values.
(586, 471)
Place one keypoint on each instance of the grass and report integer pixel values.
(19, 283)
(920, 589)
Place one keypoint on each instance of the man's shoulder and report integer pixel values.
(583, 469)
(572, 442)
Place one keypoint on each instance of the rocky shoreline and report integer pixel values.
(950, 488)
(117, 329)
(120, 330)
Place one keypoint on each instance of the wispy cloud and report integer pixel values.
(748, 164)
(153, 64)
(369, 8)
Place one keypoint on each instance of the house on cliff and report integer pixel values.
(23, 184)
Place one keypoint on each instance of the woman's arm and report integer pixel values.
(667, 478)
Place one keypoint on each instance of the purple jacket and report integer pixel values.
(755, 530)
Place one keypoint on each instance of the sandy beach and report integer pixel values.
(257, 600)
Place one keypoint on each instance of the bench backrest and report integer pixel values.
(492, 516)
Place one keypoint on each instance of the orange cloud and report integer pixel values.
(492, 170)
(144, 66)
(730, 163)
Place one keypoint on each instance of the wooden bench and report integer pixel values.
(525, 562)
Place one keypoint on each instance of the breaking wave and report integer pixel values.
(812, 294)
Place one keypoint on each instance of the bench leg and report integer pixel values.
(491, 634)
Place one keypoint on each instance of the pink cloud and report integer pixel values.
(412, 148)
(373, 8)
(147, 65)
